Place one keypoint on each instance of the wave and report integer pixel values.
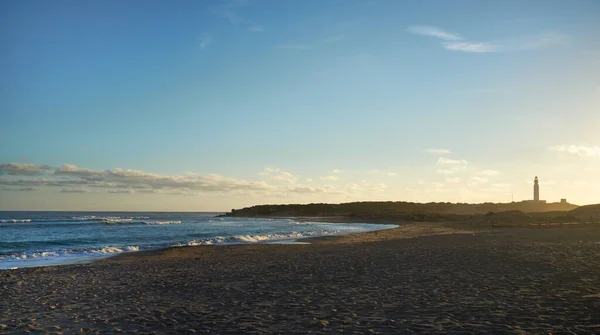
(74, 219)
(96, 219)
(70, 252)
(16, 221)
(243, 239)
(131, 221)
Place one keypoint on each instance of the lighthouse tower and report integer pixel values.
(536, 190)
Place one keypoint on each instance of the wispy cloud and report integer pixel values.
(434, 32)
(230, 11)
(456, 42)
(205, 40)
(448, 161)
(472, 47)
(438, 151)
(17, 169)
(579, 150)
(71, 178)
(281, 176)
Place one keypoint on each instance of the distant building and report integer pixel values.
(536, 190)
(563, 201)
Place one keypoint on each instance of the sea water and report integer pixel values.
(51, 238)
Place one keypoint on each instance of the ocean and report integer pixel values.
(52, 238)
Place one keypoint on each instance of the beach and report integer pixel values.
(419, 278)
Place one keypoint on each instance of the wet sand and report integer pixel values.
(423, 278)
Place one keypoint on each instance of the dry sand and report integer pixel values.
(424, 278)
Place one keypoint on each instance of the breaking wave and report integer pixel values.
(71, 252)
(16, 221)
(131, 221)
(243, 239)
(75, 219)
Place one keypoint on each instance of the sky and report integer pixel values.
(219, 104)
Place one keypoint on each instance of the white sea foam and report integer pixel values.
(131, 221)
(95, 218)
(243, 239)
(16, 221)
(117, 221)
(112, 249)
(70, 252)
(162, 222)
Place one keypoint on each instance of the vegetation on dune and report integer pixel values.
(521, 212)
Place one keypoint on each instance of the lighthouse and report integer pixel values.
(536, 190)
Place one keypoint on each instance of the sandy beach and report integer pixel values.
(423, 278)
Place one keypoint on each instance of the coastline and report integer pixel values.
(405, 231)
(431, 278)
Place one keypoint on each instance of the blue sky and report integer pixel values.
(234, 103)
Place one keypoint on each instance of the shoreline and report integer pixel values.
(410, 230)
(100, 258)
(417, 278)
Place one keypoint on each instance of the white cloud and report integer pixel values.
(71, 178)
(448, 161)
(391, 174)
(579, 150)
(456, 42)
(305, 189)
(16, 169)
(434, 32)
(205, 40)
(490, 173)
(337, 171)
(136, 179)
(445, 171)
(438, 151)
(282, 176)
(472, 47)
(75, 171)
